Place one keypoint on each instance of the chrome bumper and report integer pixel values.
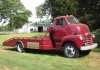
(83, 48)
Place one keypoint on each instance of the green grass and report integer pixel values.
(44, 60)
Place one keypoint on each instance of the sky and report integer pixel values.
(31, 5)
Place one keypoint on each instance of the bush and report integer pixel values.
(97, 35)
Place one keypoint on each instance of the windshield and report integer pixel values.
(72, 20)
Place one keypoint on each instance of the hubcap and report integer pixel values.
(70, 51)
(19, 48)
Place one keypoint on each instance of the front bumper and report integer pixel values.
(83, 48)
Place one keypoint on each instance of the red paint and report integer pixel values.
(59, 34)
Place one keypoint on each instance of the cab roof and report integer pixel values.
(67, 16)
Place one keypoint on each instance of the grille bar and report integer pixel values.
(88, 40)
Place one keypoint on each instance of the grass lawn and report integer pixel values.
(44, 60)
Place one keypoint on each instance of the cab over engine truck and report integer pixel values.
(66, 34)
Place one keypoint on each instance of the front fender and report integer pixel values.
(73, 38)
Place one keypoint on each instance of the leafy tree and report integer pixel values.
(89, 7)
(57, 8)
(61, 7)
(8, 7)
(18, 20)
(40, 11)
(14, 12)
(4, 28)
(89, 11)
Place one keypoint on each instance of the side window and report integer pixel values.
(60, 21)
(63, 21)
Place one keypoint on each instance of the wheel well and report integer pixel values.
(67, 42)
(19, 42)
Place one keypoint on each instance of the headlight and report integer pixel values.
(81, 38)
(93, 36)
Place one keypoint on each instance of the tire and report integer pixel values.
(20, 48)
(84, 53)
(70, 50)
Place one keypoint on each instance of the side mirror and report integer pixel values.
(49, 29)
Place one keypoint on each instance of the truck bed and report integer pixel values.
(43, 43)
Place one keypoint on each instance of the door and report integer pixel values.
(59, 30)
(40, 29)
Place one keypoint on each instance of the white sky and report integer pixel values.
(31, 5)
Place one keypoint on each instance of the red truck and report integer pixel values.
(66, 34)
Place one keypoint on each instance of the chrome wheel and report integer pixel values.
(19, 47)
(70, 50)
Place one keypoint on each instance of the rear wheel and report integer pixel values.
(70, 50)
(20, 48)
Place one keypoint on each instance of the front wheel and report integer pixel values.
(20, 48)
(70, 50)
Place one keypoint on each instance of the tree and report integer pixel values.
(61, 7)
(89, 12)
(14, 12)
(89, 7)
(40, 11)
(18, 20)
(4, 28)
(8, 7)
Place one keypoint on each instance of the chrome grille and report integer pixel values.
(88, 40)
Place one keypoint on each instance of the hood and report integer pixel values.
(79, 28)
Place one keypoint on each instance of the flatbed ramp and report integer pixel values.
(43, 43)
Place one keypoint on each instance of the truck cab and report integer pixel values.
(71, 36)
